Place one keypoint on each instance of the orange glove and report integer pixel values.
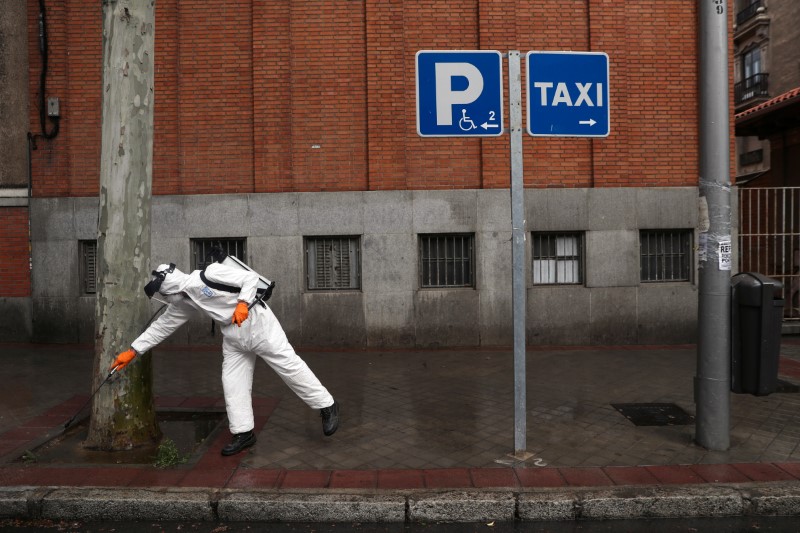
(122, 360)
(240, 314)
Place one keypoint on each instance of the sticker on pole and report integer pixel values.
(725, 254)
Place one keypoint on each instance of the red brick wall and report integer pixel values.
(15, 273)
(269, 96)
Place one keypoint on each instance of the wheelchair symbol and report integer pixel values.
(465, 123)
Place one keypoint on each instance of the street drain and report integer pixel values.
(191, 431)
(654, 414)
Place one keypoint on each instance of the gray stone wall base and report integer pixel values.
(390, 308)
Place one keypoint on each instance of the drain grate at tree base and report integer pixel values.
(654, 414)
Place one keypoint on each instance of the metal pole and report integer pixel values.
(712, 382)
(517, 251)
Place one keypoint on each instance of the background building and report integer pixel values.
(767, 100)
(287, 131)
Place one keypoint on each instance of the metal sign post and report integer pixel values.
(517, 252)
(459, 94)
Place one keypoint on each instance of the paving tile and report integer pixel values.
(55, 476)
(252, 478)
(585, 477)
(630, 475)
(540, 477)
(401, 479)
(198, 402)
(109, 476)
(441, 478)
(24, 434)
(792, 469)
(204, 477)
(164, 402)
(493, 477)
(354, 479)
(762, 472)
(719, 473)
(675, 474)
(152, 477)
(305, 479)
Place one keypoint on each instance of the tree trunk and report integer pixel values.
(123, 415)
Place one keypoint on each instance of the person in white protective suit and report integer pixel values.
(227, 295)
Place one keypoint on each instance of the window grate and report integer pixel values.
(665, 255)
(557, 258)
(202, 247)
(333, 263)
(447, 260)
(89, 267)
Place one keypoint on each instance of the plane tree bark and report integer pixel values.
(123, 415)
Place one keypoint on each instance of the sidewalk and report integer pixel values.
(425, 435)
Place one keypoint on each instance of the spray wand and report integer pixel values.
(113, 370)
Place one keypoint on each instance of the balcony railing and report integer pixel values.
(752, 87)
(747, 13)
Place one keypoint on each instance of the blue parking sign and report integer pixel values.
(459, 93)
(568, 94)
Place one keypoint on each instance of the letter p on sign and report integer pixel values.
(447, 97)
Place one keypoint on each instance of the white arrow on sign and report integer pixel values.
(590, 122)
(486, 125)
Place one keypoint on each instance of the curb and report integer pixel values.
(556, 504)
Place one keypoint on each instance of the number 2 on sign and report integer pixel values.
(720, 6)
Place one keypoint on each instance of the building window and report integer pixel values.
(88, 267)
(333, 263)
(557, 258)
(201, 248)
(447, 261)
(665, 255)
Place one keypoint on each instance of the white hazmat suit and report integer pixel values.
(259, 335)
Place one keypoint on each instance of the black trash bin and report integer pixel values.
(756, 316)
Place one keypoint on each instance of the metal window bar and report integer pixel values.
(89, 266)
(201, 248)
(665, 255)
(333, 263)
(557, 258)
(769, 239)
(447, 261)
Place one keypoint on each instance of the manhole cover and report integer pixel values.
(786, 387)
(654, 414)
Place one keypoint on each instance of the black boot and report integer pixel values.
(330, 419)
(240, 442)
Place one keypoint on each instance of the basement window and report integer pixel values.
(201, 248)
(665, 255)
(333, 263)
(447, 261)
(88, 267)
(557, 258)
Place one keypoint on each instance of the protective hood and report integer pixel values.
(166, 280)
(174, 282)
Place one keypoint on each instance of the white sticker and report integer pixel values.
(725, 254)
